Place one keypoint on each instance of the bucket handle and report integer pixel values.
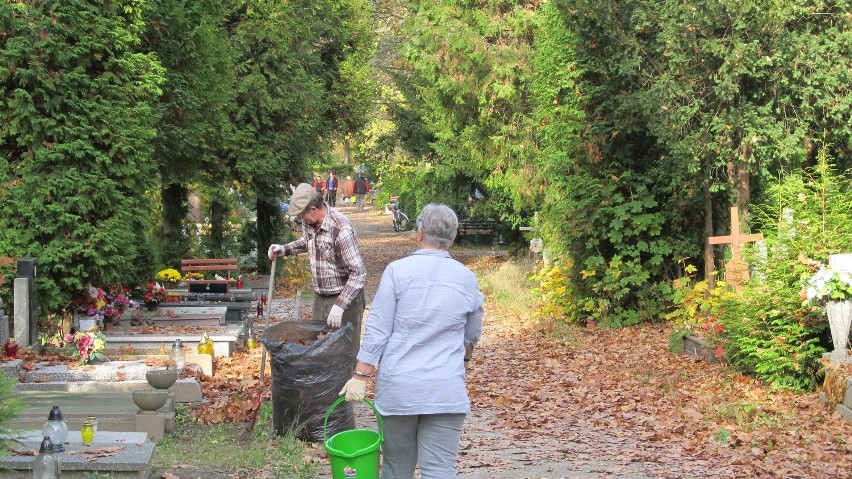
(337, 403)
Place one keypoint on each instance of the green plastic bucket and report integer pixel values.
(354, 454)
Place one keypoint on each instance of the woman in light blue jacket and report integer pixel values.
(422, 327)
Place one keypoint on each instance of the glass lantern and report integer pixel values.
(177, 357)
(56, 429)
(87, 433)
(46, 464)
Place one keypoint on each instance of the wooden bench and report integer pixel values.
(477, 231)
(225, 265)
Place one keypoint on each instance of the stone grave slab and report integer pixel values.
(11, 367)
(108, 376)
(204, 316)
(131, 460)
(224, 343)
(235, 311)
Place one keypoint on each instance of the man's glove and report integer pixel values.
(334, 316)
(275, 250)
(354, 390)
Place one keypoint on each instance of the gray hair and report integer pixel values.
(439, 225)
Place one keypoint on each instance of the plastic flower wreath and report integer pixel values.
(827, 285)
(88, 345)
(168, 275)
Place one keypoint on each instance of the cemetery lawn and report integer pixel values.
(609, 402)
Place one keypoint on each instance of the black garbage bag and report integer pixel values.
(307, 375)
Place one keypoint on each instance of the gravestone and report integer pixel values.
(736, 269)
(21, 312)
(27, 270)
(840, 262)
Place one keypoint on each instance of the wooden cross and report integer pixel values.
(736, 270)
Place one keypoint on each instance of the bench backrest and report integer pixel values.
(222, 264)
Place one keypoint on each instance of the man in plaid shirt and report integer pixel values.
(337, 269)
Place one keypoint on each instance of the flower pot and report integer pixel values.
(839, 320)
(152, 306)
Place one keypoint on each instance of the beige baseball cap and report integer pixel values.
(303, 195)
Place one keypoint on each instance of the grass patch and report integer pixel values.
(746, 416)
(508, 284)
(225, 448)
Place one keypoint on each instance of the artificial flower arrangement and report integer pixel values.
(155, 295)
(91, 302)
(168, 275)
(121, 302)
(827, 284)
(112, 315)
(88, 345)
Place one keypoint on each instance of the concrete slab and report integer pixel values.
(131, 460)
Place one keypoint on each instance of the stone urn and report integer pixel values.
(161, 378)
(150, 401)
(839, 320)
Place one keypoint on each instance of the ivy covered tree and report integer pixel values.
(76, 124)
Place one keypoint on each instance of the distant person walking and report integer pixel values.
(362, 187)
(319, 184)
(331, 190)
(337, 268)
(423, 324)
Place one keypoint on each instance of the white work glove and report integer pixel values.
(354, 390)
(275, 250)
(334, 316)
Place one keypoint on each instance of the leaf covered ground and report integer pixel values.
(595, 402)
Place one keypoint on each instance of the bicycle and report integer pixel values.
(400, 220)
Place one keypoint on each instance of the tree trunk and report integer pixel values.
(346, 151)
(266, 215)
(175, 244)
(218, 213)
(709, 263)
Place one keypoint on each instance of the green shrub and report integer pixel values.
(769, 334)
(770, 331)
(10, 406)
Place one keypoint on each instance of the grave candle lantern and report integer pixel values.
(11, 349)
(46, 464)
(56, 429)
(177, 357)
